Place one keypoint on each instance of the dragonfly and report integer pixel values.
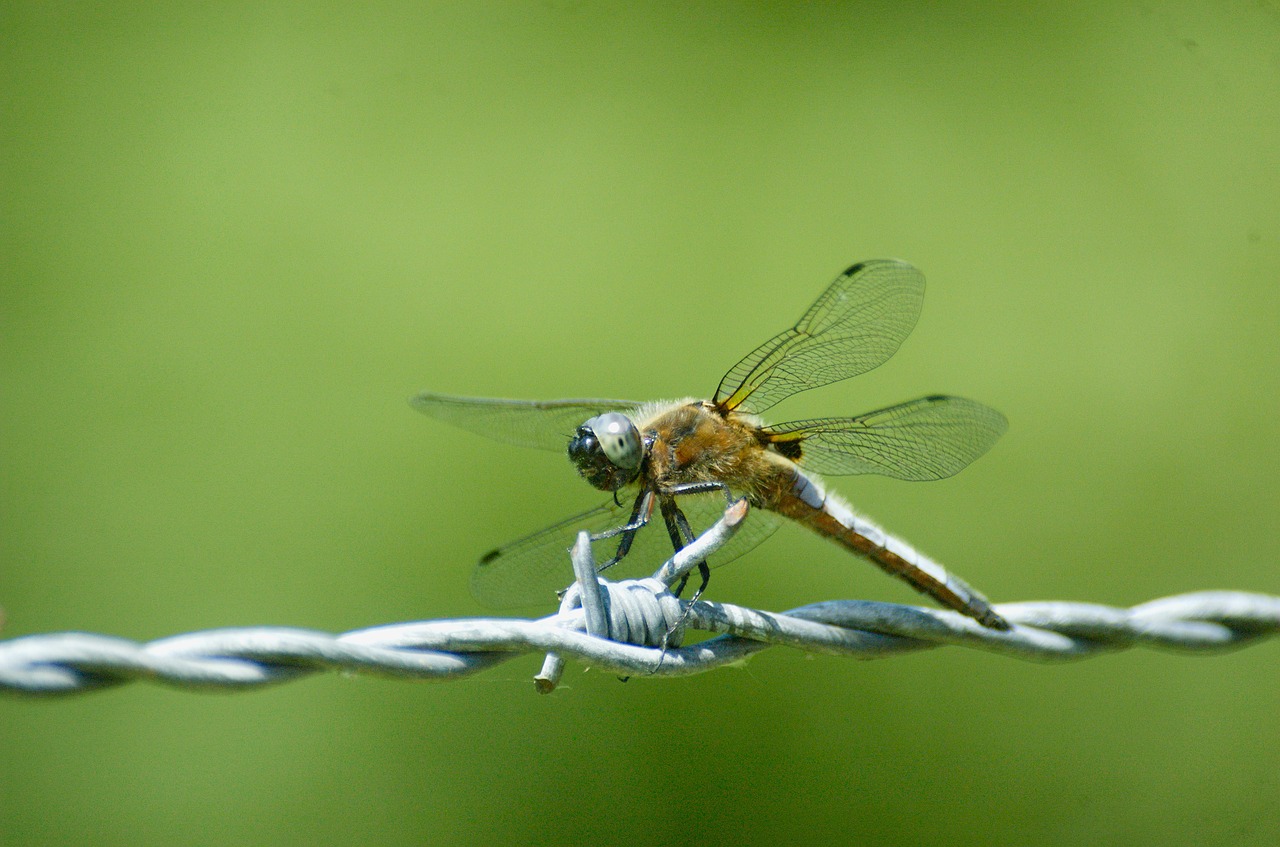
(684, 459)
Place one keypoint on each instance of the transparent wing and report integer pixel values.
(858, 323)
(930, 438)
(530, 570)
(543, 424)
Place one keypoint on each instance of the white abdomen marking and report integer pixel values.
(811, 492)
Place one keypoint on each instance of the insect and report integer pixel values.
(684, 458)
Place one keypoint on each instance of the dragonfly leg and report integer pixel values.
(682, 535)
(640, 513)
(702, 488)
(678, 534)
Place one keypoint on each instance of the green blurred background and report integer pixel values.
(236, 238)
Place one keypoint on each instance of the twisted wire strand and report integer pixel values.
(596, 618)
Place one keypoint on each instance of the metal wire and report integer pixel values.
(633, 629)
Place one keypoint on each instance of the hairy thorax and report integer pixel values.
(693, 443)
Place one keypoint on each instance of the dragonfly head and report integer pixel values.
(607, 451)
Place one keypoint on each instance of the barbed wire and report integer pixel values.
(632, 628)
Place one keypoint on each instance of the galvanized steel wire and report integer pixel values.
(631, 629)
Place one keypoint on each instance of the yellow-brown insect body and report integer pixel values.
(674, 457)
(692, 442)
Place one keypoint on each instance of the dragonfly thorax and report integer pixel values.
(607, 451)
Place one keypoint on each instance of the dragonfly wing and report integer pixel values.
(703, 510)
(542, 424)
(530, 570)
(929, 438)
(858, 323)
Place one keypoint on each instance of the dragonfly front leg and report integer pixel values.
(640, 514)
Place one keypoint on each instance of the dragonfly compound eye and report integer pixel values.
(619, 439)
(607, 451)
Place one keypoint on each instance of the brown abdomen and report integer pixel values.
(805, 501)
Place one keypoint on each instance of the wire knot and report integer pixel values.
(644, 612)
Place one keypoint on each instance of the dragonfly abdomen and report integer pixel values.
(824, 513)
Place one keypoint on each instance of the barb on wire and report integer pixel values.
(618, 627)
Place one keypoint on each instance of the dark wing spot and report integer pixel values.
(787, 444)
(490, 556)
(791, 449)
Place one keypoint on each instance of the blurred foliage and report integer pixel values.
(235, 238)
